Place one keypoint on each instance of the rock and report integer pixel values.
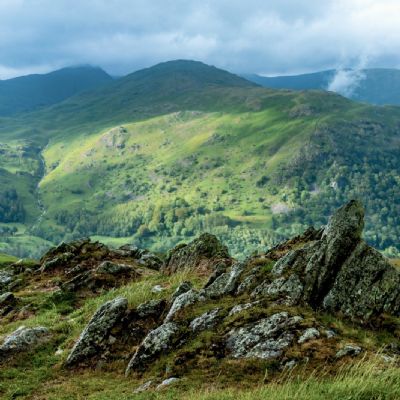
(94, 337)
(57, 262)
(205, 321)
(108, 267)
(151, 261)
(290, 365)
(366, 286)
(7, 299)
(23, 339)
(203, 254)
(15, 284)
(339, 272)
(219, 269)
(330, 334)
(182, 301)
(7, 302)
(83, 279)
(157, 289)
(241, 307)
(167, 382)
(249, 282)
(225, 283)
(309, 334)
(291, 288)
(159, 340)
(264, 339)
(152, 308)
(5, 277)
(143, 388)
(182, 288)
(349, 350)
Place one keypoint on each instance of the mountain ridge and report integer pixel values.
(155, 158)
(30, 92)
(380, 86)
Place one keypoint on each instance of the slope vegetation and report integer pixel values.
(182, 147)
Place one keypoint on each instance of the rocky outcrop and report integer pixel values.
(182, 301)
(7, 302)
(264, 339)
(225, 283)
(23, 339)
(142, 256)
(94, 337)
(157, 341)
(338, 272)
(204, 254)
(108, 267)
(206, 321)
(85, 265)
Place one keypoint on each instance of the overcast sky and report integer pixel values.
(263, 36)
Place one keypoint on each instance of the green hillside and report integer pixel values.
(31, 92)
(179, 148)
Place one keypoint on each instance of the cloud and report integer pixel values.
(275, 36)
(346, 82)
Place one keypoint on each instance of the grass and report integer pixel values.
(6, 259)
(369, 379)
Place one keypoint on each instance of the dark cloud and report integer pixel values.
(275, 36)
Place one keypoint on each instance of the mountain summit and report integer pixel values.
(27, 93)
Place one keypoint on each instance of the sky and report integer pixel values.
(268, 37)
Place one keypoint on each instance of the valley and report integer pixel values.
(180, 148)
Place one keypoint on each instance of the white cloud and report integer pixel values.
(275, 36)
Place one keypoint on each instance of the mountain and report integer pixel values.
(31, 92)
(376, 86)
(182, 147)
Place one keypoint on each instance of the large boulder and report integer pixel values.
(184, 300)
(94, 338)
(338, 272)
(204, 254)
(264, 339)
(159, 340)
(23, 339)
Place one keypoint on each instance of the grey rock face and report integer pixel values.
(23, 339)
(167, 382)
(205, 252)
(349, 350)
(158, 340)
(242, 307)
(108, 267)
(290, 287)
(365, 286)
(225, 283)
(205, 321)
(338, 272)
(249, 282)
(95, 336)
(143, 256)
(309, 334)
(5, 277)
(7, 303)
(56, 262)
(184, 300)
(7, 299)
(264, 339)
(330, 334)
(143, 388)
(182, 288)
(152, 308)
